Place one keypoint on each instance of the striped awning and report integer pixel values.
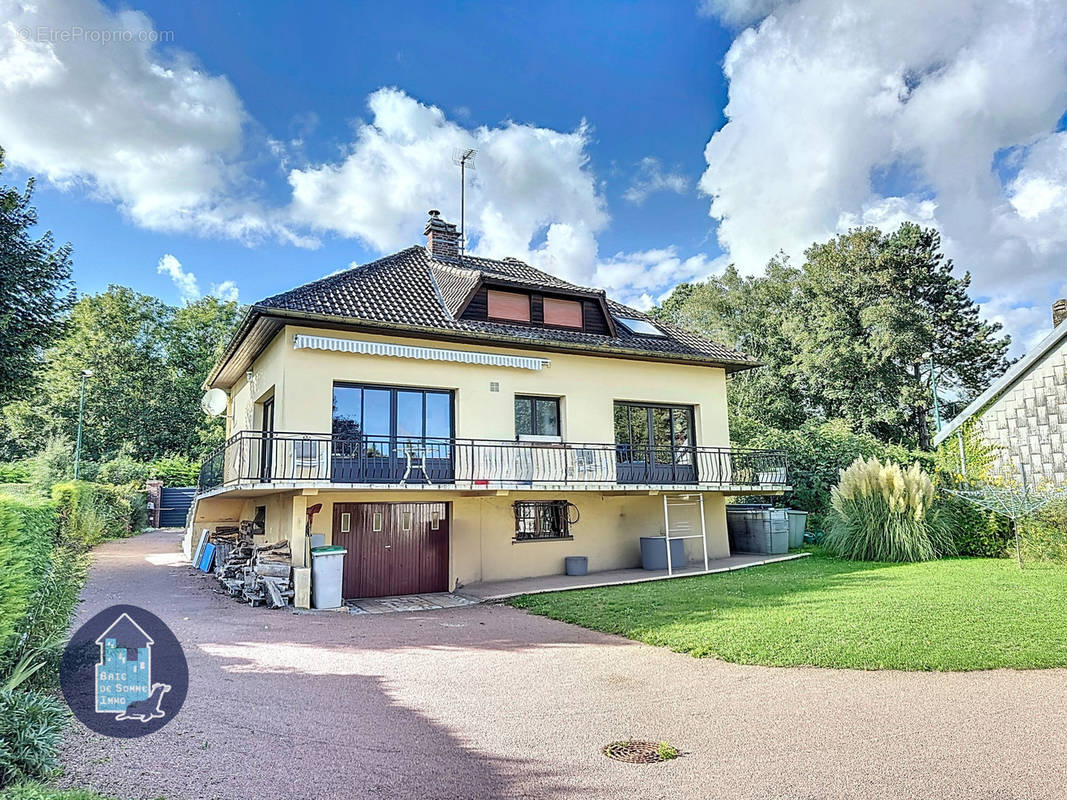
(304, 341)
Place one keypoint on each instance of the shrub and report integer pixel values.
(27, 533)
(1044, 535)
(90, 513)
(976, 531)
(31, 724)
(176, 470)
(817, 453)
(123, 469)
(18, 472)
(884, 513)
(53, 464)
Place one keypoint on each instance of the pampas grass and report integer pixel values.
(884, 513)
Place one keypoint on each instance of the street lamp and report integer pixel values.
(86, 373)
(933, 386)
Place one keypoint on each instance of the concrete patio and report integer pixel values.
(501, 590)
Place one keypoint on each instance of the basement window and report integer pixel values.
(544, 520)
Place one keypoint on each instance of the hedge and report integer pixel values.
(27, 534)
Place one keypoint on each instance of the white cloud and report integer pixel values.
(825, 94)
(633, 278)
(151, 132)
(651, 178)
(188, 285)
(532, 194)
(185, 282)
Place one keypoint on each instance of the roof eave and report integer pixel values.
(399, 329)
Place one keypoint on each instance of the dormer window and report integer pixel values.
(564, 313)
(509, 305)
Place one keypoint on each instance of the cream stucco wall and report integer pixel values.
(302, 383)
(481, 530)
(482, 526)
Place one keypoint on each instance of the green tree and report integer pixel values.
(35, 291)
(749, 314)
(148, 362)
(195, 339)
(120, 336)
(874, 304)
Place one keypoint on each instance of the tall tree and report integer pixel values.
(849, 335)
(878, 310)
(148, 361)
(749, 314)
(195, 339)
(35, 291)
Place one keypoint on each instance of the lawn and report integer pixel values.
(954, 614)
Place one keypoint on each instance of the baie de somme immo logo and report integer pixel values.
(124, 673)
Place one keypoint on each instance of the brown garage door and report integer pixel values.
(393, 548)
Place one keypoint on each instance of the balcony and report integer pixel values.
(251, 458)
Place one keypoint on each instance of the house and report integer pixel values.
(1024, 413)
(461, 419)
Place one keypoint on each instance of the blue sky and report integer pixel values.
(644, 76)
(243, 148)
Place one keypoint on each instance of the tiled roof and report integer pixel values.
(413, 289)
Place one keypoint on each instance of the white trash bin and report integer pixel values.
(327, 569)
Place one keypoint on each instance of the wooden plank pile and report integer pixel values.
(258, 574)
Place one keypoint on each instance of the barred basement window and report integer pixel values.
(537, 520)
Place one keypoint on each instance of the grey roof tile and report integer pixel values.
(410, 288)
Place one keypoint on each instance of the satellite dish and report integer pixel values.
(214, 402)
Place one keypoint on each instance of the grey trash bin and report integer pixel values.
(654, 553)
(768, 531)
(327, 568)
(798, 521)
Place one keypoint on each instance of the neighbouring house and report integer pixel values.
(461, 419)
(1024, 413)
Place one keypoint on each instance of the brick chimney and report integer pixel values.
(1059, 312)
(442, 238)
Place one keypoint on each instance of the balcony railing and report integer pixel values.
(251, 456)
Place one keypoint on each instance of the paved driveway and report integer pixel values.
(486, 701)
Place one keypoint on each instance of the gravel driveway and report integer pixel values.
(486, 701)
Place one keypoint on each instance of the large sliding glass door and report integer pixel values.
(654, 443)
(385, 434)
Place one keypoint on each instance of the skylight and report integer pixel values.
(639, 326)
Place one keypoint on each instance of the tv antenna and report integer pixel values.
(464, 156)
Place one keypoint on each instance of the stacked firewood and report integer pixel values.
(258, 574)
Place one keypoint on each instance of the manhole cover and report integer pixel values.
(637, 752)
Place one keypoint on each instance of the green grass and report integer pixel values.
(953, 614)
(38, 791)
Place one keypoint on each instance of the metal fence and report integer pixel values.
(398, 460)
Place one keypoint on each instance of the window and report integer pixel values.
(435, 520)
(639, 326)
(537, 520)
(377, 522)
(536, 416)
(565, 313)
(509, 305)
(405, 520)
(346, 522)
(654, 443)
